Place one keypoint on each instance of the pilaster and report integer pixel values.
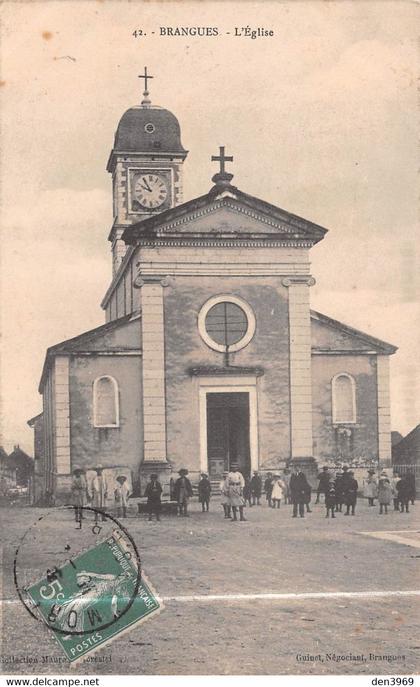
(153, 347)
(384, 411)
(62, 415)
(300, 366)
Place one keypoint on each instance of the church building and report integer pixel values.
(210, 353)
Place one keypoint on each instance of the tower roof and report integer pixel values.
(150, 130)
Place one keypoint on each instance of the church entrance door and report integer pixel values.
(228, 432)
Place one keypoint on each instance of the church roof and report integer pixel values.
(150, 130)
(79, 343)
(335, 336)
(280, 223)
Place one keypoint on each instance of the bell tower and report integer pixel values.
(146, 167)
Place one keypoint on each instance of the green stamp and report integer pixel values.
(94, 597)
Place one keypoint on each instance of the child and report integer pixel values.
(278, 491)
(224, 494)
(204, 491)
(330, 498)
(371, 488)
(153, 492)
(384, 493)
(121, 495)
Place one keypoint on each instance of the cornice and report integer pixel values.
(298, 281)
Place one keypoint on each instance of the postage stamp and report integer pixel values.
(95, 596)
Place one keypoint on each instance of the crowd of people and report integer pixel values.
(337, 488)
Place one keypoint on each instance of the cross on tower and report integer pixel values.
(222, 158)
(145, 76)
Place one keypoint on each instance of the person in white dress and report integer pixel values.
(279, 491)
(236, 483)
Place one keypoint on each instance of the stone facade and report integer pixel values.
(178, 398)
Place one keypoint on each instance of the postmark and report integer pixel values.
(92, 596)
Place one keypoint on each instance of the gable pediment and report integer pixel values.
(227, 214)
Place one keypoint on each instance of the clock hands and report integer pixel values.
(146, 186)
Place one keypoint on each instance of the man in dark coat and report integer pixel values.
(204, 491)
(350, 492)
(268, 487)
(256, 488)
(183, 492)
(324, 479)
(404, 491)
(299, 489)
(153, 492)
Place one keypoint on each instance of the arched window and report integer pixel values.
(106, 411)
(343, 398)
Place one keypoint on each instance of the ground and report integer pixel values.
(195, 562)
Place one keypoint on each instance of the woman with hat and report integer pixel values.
(183, 492)
(79, 493)
(236, 483)
(370, 487)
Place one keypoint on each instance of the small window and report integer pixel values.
(105, 402)
(226, 323)
(343, 399)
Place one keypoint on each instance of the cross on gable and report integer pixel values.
(222, 158)
(146, 77)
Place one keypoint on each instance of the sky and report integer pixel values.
(321, 119)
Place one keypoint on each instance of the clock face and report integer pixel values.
(150, 190)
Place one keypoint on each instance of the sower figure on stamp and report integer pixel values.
(204, 492)
(79, 493)
(256, 488)
(153, 492)
(183, 492)
(224, 494)
(99, 491)
(236, 483)
(121, 494)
